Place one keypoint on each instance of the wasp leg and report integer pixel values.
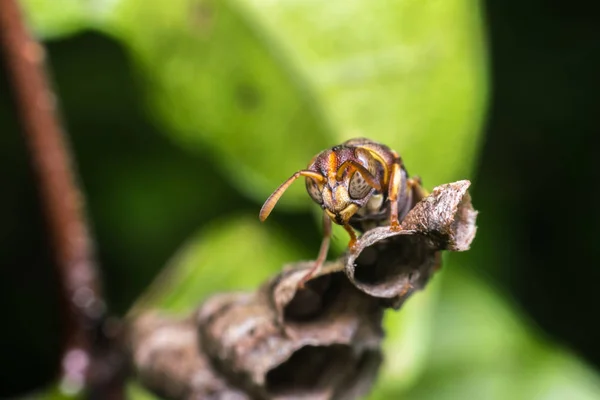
(322, 251)
(418, 192)
(393, 189)
(350, 231)
(352, 166)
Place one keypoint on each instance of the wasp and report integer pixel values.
(359, 184)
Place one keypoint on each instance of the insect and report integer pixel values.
(359, 184)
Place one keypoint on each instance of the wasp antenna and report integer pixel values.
(276, 195)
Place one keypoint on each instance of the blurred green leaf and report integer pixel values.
(266, 85)
(55, 392)
(409, 74)
(137, 392)
(221, 85)
(56, 18)
(233, 254)
(408, 337)
(482, 348)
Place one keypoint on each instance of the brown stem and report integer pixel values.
(63, 204)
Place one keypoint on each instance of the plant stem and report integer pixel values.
(82, 304)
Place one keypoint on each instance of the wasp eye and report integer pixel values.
(358, 188)
(313, 190)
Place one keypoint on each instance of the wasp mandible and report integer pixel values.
(359, 184)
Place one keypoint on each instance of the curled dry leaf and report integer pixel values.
(446, 217)
(393, 264)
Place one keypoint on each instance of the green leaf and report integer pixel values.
(264, 86)
(56, 392)
(57, 18)
(409, 74)
(408, 336)
(483, 348)
(220, 85)
(137, 392)
(233, 254)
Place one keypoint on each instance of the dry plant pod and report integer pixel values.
(168, 361)
(392, 264)
(320, 342)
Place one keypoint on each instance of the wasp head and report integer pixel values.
(349, 178)
(341, 180)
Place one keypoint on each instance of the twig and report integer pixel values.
(83, 306)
